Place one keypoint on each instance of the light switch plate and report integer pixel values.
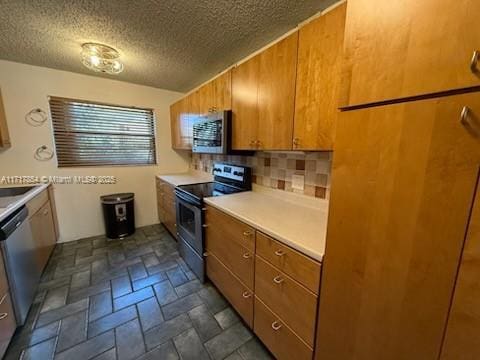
(298, 182)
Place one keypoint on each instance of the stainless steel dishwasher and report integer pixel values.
(19, 255)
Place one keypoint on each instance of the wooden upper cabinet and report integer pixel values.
(205, 98)
(411, 171)
(4, 136)
(402, 48)
(222, 92)
(462, 338)
(180, 122)
(320, 52)
(245, 104)
(276, 94)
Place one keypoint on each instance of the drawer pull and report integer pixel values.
(278, 279)
(3, 299)
(247, 256)
(474, 61)
(276, 325)
(45, 212)
(247, 233)
(206, 254)
(279, 252)
(246, 294)
(205, 225)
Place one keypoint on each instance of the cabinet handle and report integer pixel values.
(278, 279)
(247, 256)
(296, 142)
(247, 233)
(276, 325)
(464, 115)
(279, 253)
(474, 61)
(206, 254)
(3, 299)
(205, 225)
(246, 294)
(258, 143)
(252, 143)
(45, 212)
(3, 315)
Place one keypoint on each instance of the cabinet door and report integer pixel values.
(276, 94)
(205, 98)
(318, 77)
(43, 232)
(245, 104)
(4, 136)
(404, 178)
(403, 48)
(462, 339)
(222, 92)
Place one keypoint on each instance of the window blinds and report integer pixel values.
(94, 134)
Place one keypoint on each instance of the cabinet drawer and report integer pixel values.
(279, 339)
(7, 322)
(296, 305)
(37, 202)
(228, 229)
(231, 287)
(238, 259)
(300, 267)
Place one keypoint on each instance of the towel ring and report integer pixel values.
(43, 153)
(36, 117)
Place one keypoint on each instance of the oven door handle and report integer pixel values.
(182, 197)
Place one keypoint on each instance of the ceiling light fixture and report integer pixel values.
(101, 58)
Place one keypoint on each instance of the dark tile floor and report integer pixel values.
(129, 299)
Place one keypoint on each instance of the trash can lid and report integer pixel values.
(116, 198)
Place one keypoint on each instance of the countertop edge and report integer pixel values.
(294, 245)
(28, 196)
(195, 178)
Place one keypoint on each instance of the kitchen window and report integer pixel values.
(94, 134)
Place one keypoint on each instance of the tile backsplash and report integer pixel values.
(275, 169)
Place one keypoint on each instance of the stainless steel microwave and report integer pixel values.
(212, 133)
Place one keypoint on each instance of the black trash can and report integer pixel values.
(118, 214)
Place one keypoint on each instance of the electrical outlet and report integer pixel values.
(298, 182)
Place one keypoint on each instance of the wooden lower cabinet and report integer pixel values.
(43, 231)
(405, 178)
(231, 287)
(275, 334)
(8, 323)
(296, 305)
(167, 212)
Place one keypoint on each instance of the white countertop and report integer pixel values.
(296, 220)
(187, 178)
(21, 200)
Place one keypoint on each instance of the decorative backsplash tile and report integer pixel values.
(275, 169)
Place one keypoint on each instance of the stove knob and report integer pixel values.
(217, 170)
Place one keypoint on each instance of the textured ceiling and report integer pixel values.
(169, 44)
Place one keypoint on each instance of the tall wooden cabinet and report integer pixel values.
(403, 186)
(263, 93)
(404, 48)
(4, 136)
(318, 73)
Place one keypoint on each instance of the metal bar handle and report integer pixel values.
(474, 61)
(246, 294)
(464, 115)
(276, 325)
(279, 252)
(247, 256)
(278, 279)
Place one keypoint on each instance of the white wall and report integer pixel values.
(26, 87)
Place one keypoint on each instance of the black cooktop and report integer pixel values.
(203, 190)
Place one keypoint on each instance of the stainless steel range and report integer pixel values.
(229, 179)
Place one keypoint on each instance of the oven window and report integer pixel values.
(208, 134)
(187, 220)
